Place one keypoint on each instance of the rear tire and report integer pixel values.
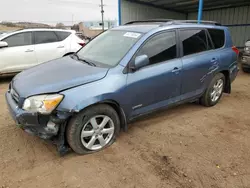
(214, 91)
(93, 129)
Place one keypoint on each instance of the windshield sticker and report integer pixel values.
(132, 35)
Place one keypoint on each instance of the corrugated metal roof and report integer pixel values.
(186, 6)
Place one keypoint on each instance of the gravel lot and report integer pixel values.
(186, 146)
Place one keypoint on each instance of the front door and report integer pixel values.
(157, 84)
(19, 54)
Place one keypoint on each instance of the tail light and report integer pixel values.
(235, 50)
(82, 44)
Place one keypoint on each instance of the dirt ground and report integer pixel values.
(5, 28)
(187, 146)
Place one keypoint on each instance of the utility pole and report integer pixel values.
(72, 19)
(102, 12)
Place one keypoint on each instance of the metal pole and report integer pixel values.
(102, 11)
(119, 13)
(200, 11)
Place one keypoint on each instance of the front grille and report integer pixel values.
(14, 94)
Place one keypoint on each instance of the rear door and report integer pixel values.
(65, 38)
(48, 46)
(199, 61)
(19, 54)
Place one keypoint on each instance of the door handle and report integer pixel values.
(175, 69)
(60, 47)
(29, 50)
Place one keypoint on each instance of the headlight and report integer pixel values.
(43, 104)
(246, 48)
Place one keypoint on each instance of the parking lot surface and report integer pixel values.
(186, 146)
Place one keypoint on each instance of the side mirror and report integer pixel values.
(141, 61)
(3, 44)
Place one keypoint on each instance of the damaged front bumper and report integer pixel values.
(49, 127)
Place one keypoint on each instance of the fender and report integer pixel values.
(101, 91)
(102, 100)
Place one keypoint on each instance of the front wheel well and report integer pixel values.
(117, 108)
(227, 88)
(119, 111)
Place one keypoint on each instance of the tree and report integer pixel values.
(60, 26)
(75, 27)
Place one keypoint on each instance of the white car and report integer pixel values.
(26, 48)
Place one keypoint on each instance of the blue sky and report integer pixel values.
(54, 11)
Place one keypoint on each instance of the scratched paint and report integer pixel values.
(211, 69)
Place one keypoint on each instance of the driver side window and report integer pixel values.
(160, 48)
(20, 39)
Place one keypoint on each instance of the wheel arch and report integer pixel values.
(119, 111)
(116, 106)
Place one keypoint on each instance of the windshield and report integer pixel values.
(109, 48)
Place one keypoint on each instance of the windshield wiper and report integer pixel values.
(84, 60)
(88, 62)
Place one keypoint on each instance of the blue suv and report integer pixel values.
(82, 101)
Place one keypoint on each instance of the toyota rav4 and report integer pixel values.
(82, 101)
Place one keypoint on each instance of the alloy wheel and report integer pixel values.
(97, 132)
(217, 90)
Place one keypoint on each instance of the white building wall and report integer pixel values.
(235, 18)
(134, 11)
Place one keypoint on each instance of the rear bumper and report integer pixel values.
(45, 127)
(245, 61)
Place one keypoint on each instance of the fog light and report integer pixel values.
(52, 127)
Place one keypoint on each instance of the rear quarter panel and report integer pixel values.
(228, 58)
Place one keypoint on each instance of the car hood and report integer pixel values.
(55, 76)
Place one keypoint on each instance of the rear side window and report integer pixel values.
(42, 37)
(62, 35)
(218, 37)
(160, 48)
(194, 41)
(20, 39)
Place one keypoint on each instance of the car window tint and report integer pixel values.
(62, 35)
(20, 39)
(160, 48)
(218, 37)
(45, 37)
(193, 41)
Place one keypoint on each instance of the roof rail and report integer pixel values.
(196, 21)
(171, 21)
(149, 21)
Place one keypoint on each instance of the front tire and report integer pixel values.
(93, 129)
(214, 91)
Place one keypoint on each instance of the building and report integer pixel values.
(233, 14)
(88, 31)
